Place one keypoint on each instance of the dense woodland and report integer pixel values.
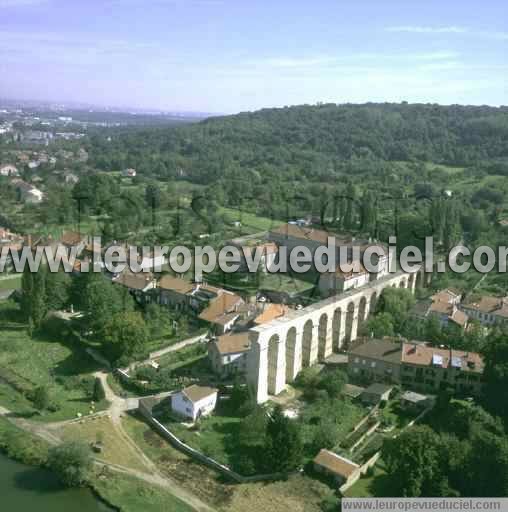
(315, 142)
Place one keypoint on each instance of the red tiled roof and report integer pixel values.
(220, 307)
(232, 343)
(336, 464)
(423, 355)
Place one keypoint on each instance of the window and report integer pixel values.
(373, 364)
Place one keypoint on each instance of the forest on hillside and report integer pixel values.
(314, 142)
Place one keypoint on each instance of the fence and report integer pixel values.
(200, 457)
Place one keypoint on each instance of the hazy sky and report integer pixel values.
(232, 55)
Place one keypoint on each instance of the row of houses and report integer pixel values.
(293, 234)
(416, 365)
(448, 308)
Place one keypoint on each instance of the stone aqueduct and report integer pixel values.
(282, 347)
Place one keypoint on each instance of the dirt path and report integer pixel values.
(118, 406)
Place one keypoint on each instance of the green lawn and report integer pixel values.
(378, 484)
(44, 360)
(250, 221)
(11, 283)
(217, 437)
(132, 495)
(184, 356)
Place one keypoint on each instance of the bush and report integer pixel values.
(21, 446)
(72, 462)
(148, 373)
(330, 504)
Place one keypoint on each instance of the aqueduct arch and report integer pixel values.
(281, 348)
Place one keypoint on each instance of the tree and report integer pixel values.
(33, 299)
(101, 300)
(153, 196)
(158, 319)
(452, 230)
(283, 445)
(350, 213)
(124, 335)
(414, 462)
(57, 290)
(380, 325)
(41, 398)
(27, 286)
(333, 383)
(495, 374)
(326, 435)
(368, 213)
(72, 462)
(397, 302)
(38, 305)
(98, 390)
(488, 463)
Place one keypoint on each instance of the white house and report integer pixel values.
(27, 192)
(228, 353)
(129, 173)
(194, 401)
(9, 170)
(331, 283)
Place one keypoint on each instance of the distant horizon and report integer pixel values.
(224, 56)
(84, 106)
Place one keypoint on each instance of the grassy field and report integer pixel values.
(251, 223)
(26, 363)
(116, 449)
(378, 484)
(10, 283)
(132, 495)
(299, 493)
(184, 356)
(215, 437)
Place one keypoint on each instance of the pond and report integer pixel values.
(26, 489)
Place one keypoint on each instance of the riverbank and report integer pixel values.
(114, 490)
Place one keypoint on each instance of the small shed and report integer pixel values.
(352, 391)
(344, 471)
(376, 393)
(414, 401)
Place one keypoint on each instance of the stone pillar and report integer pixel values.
(310, 347)
(354, 325)
(257, 369)
(342, 332)
(294, 357)
(329, 338)
(276, 366)
(367, 310)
